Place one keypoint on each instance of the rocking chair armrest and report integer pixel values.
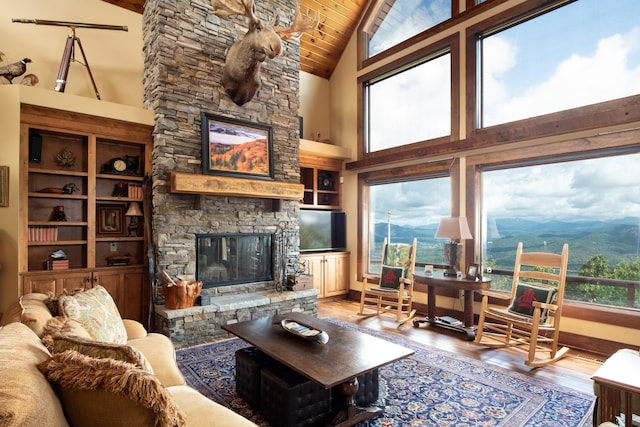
(544, 305)
(367, 276)
(493, 294)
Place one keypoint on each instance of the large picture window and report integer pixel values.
(395, 21)
(582, 53)
(401, 211)
(593, 205)
(411, 104)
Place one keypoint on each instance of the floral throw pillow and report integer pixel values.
(97, 312)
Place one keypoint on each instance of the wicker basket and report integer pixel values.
(181, 295)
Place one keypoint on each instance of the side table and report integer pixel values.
(439, 280)
(619, 380)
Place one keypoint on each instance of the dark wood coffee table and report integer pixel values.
(347, 355)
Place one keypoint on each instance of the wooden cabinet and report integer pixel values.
(81, 182)
(330, 271)
(321, 178)
(125, 285)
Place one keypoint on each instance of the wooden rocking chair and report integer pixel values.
(392, 290)
(533, 317)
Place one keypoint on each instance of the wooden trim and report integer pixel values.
(187, 183)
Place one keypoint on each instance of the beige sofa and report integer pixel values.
(54, 374)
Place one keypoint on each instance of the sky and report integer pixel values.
(585, 52)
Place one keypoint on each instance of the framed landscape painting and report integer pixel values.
(236, 147)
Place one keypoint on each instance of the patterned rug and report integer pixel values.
(430, 388)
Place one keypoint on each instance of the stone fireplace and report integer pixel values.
(184, 51)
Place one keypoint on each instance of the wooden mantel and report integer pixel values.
(189, 183)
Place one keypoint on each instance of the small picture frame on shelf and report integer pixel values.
(472, 272)
(110, 219)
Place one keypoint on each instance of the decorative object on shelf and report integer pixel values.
(305, 331)
(300, 127)
(59, 254)
(65, 158)
(69, 188)
(57, 261)
(120, 190)
(122, 166)
(4, 186)
(110, 219)
(58, 214)
(326, 181)
(133, 212)
(116, 260)
(11, 71)
(236, 147)
(30, 80)
(241, 72)
(456, 229)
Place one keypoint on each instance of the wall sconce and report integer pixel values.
(456, 229)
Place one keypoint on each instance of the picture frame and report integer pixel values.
(472, 271)
(4, 186)
(110, 219)
(235, 147)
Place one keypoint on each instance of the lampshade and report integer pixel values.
(134, 210)
(455, 228)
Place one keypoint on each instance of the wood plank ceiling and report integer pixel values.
(320, 50)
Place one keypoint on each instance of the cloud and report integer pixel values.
(577, 80)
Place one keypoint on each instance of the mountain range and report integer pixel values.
(617, 240)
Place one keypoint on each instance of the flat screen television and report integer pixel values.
(322, 231)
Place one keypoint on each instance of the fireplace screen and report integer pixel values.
(227, 259)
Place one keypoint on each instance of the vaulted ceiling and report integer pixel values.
(320, 50)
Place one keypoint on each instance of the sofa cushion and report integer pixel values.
(35, 313)
(158, 350)
(36, 404)
(83, 382)
(100, 350)
(209, 412)
(97, 312)
(65, 326)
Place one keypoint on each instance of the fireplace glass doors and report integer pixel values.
(227, 259)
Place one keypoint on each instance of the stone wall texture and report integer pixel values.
(184, 50)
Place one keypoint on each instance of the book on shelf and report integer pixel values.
(450, 320)
(57, 264)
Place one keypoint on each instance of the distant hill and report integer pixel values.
(617, 240)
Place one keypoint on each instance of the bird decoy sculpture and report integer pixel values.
(14, 70)
(29, 80)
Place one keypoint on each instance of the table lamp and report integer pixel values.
(456, 229)
(134, 212)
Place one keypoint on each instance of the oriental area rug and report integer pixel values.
(430, 388)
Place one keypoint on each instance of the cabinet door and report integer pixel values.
(315, 266)
(56, 284)
(126, 288)
(336, 277)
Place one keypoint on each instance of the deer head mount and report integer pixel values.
(241, 73)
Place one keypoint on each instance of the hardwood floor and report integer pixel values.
(574, 370)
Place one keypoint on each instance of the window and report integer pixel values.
(593, 205)
(409, 105)
(398, 20)
(401, 211)
(582, 53)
